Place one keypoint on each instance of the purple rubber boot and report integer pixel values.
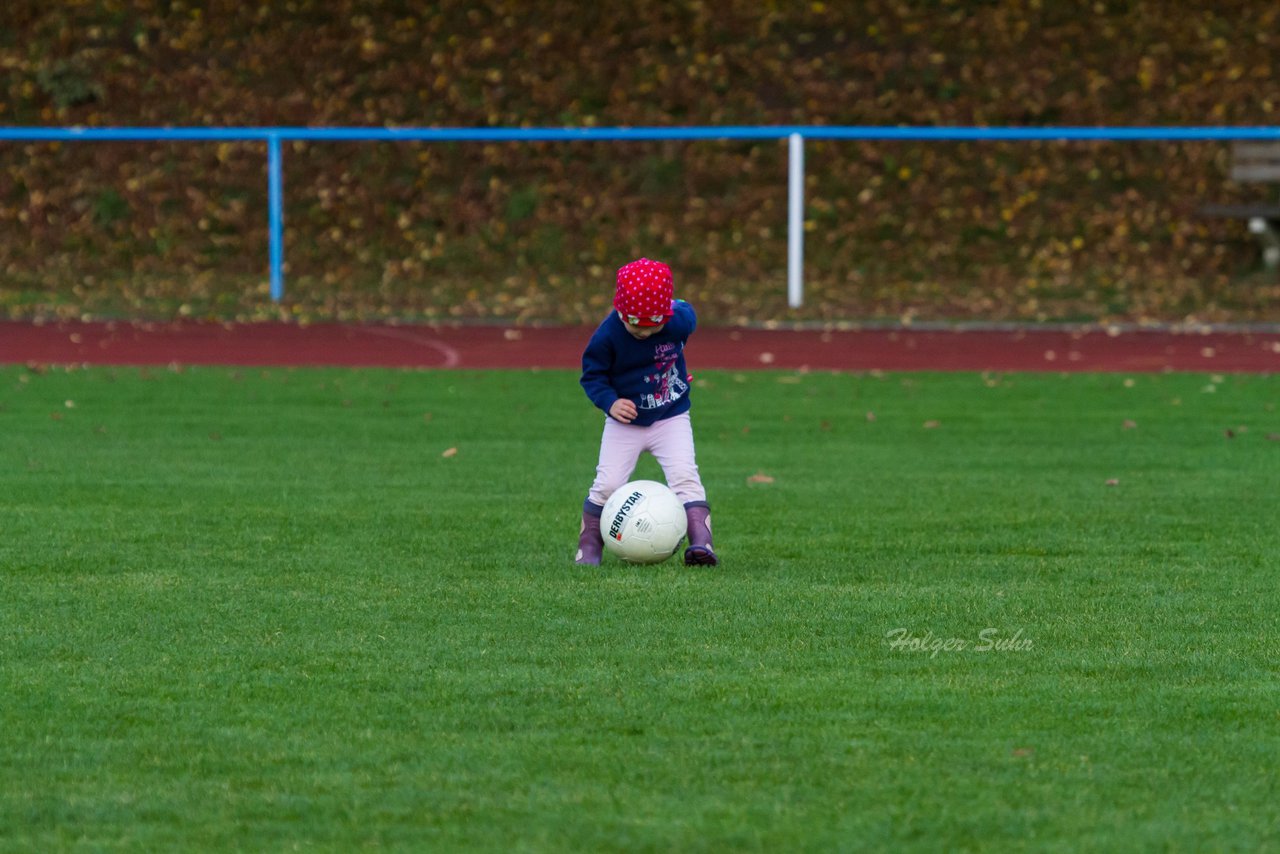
(590, 542)
(700, 551)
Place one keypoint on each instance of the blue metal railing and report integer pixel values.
(796, 134)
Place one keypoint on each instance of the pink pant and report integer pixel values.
(671, 443)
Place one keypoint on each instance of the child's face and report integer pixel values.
(642, 332)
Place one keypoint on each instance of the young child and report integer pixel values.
(633, 369)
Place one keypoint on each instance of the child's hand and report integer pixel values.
(623, 410)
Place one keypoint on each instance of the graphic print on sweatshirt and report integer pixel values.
(668, 385)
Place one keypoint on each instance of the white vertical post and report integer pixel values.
(795, 222)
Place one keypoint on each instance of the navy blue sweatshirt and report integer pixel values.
(650, 373)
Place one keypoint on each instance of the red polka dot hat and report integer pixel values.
(644, 294)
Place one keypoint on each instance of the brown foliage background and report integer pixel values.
(532, 232)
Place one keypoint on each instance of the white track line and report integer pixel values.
(452, 359)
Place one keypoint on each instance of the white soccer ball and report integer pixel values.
(643, 522)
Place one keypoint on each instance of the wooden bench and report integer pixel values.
(1255, 162)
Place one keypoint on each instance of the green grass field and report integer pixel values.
(247, 609)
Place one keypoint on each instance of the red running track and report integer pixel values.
(463, 346)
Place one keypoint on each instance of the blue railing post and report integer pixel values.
(275, 206)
